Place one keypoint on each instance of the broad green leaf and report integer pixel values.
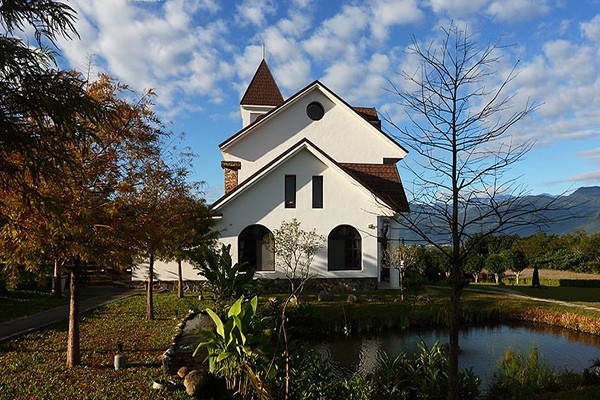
(223, 356)
(217, 321)
(236, 308)
(238, 322)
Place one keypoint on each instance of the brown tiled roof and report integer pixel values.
(370, 114)
(263, 90)
(382, 180)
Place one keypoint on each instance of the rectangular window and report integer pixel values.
(317, 189)
(290, 191)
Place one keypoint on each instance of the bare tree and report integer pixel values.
(402, 257)
(460, 114)
(294, 250)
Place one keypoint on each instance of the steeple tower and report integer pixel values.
(261, 96)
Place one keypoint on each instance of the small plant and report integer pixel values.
(238, 349)
(225, 280)
(519, 376)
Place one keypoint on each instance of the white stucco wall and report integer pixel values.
(344, 202)
(341, 133)
(164, 271)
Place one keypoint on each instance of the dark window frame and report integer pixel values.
(289, 191)
(251, 241)
(317, 191)
(351, 241)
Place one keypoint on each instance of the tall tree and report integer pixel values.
(460, 115)
(40, 106)
(90, 221)
(191, 227)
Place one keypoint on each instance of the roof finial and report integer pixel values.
(263, 50)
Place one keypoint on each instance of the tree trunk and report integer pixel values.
(497, 276)
(73, 354)
(57, 287)
(180, 280)
(455, 276)
(455, 281)
(517, 275)
(149, 303)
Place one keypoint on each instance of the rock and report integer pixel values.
(376, 299)
(352, 299)
(193, 382)
(182, 372)
(324, 295)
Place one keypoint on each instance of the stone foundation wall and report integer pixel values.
(283, 286)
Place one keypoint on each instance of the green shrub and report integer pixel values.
(312, 378)
(224, 278)
(239, 349)
(591, 283)
(519, 376)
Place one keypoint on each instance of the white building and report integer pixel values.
(315, 158)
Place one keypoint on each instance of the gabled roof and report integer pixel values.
(382, 180)
(370, 114)
(291, 99)
(263, 90)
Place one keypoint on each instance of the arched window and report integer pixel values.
(253, 250)
(344, 249)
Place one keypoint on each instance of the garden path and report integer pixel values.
(12, 329)
(513, 293)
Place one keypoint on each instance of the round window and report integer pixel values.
(315, 111)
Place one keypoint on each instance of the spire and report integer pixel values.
(263, 90)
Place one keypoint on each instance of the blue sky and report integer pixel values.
(199, 56)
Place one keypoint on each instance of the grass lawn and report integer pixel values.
(33, 366)
(586, 296)
(20, 303)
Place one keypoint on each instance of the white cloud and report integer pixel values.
(457, 8)
(591, 29)
(518, 10)
(387, 13)
(585, 177)
(338, 34)
(296, 25)
(166, 50)
(255, 12)
(302, 3)
(293, 74)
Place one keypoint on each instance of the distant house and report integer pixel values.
(315, 158)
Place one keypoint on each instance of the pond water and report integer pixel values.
(481, 348)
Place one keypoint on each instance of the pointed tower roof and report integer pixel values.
(263, 90)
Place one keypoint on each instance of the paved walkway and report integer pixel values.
(12, 329)
(514, 293)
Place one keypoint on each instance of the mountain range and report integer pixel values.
(578, 211)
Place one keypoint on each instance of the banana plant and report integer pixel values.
(239, 348)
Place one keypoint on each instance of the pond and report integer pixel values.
(481, 348)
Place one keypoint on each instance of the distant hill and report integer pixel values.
(580, 211)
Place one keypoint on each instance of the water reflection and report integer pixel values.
(481, 347)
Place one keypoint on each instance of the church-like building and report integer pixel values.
(315, 158)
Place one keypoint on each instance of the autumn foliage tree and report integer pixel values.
(90, 220)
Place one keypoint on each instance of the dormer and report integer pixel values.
(262, 95)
